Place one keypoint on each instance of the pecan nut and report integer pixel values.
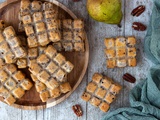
(139, 26)
(129, 78)
(138, 10)
(77, 110)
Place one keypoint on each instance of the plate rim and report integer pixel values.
(61, 99)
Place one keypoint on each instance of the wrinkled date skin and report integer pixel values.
(138, 10)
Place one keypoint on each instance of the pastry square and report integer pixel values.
(115, 89)
(60, 75)
(29, 30)
(131, 52)
(40, 27)
(106, 83)
(52, 67)
(32, 41)
(65, 87)
(51, 14)
(95, 101)
(47, 92)
(46, 63)
(79, 47)
(43, 76)
(13, 83)
(120, 42)
(110, 98)
(78, 24)
(45, 20)
(52, 24)
(97, 77)
(86, 96)
(132, 62)
(27, 19)
(111, 63)
(121, 63)
(22, 63)
(37, 16)
(60, 59)
(67, 46)
(55, 92)
(109, 43)
(36, 5)
(110, 53)
(104, 106)
(91, 87)
(67, 35)
(73, 36)
(67, 24)
(101, 92)
(58, 46)
(131, 41)
(79, 36)
(11, 47)
(38, 21)
(120, 52)
(54, 36)
(43, 39)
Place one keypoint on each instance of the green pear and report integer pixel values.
(107, 11)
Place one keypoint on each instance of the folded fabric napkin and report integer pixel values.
(152, 40)
(145, 97)
(144, 100)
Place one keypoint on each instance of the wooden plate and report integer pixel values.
(31, 100)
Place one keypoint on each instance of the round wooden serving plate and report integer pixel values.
(31, 100)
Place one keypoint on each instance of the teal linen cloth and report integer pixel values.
(144, 98)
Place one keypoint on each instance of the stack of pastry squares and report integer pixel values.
(101, 92)
(46, 34)
(13, 83)
(120, 52)
(41, 25)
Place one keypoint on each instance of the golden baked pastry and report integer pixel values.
(38, 20)
(13, 83)
(50, 64)
(73, 36)
(41, 25)
(101, 92)
(120, 52)
(10, 45)
(47, 93)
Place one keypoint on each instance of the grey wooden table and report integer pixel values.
(96, 33)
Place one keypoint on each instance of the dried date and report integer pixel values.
(139, 26)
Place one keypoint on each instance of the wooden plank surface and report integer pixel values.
(96, 33)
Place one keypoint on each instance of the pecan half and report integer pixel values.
(129, 78)
(77, 110)
(139, 26)
(138, 10)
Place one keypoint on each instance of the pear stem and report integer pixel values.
(119, 25)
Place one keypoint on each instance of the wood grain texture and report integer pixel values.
(96, 33)
(31, 99)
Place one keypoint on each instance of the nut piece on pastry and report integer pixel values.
(101, 92)
(120, 52)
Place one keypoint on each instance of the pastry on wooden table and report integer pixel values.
(10, 45)
(50, 64)
(73, 36)
(120, 52)
(13, 83)
(101, 92)
(47, 93)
